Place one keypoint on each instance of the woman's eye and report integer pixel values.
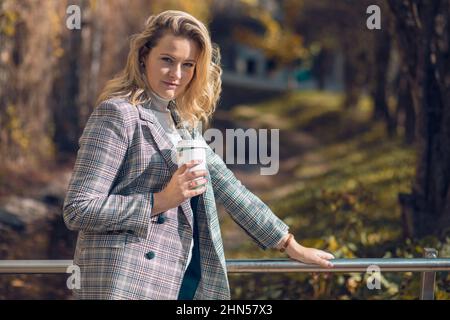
(189, 65)
(166, 59)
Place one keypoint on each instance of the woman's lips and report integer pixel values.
(170, 85)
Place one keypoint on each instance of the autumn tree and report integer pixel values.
(423, 29)
(30, 47)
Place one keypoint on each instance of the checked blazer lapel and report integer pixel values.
(165, 145)
(162, 141)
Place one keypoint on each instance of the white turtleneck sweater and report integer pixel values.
(159, 107)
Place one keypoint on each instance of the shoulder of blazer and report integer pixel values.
(122, 108)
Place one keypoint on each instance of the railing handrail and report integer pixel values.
(260, 265)
(428, 266)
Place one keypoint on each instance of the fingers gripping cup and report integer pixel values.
(188, 150)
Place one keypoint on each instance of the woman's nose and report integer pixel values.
(176, 72)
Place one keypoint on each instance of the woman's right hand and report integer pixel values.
(180, 188)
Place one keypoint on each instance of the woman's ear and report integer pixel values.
(143, 54)
(142, 65)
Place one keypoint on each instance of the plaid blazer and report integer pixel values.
(123, 250)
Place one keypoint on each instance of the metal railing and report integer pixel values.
(428, 266)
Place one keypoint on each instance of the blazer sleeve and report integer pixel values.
(244, 207)
(89, 204)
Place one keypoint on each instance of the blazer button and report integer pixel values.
(150, 255)
(161, 219)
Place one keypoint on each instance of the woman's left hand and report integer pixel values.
(309, 255)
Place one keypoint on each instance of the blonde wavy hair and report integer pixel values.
(199, 100)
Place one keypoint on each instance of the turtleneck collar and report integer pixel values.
(158, 103)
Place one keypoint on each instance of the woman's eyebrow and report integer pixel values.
(187, 60)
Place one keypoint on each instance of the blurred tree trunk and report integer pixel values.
(423, 29)
(406, 107)
(320, 68)
(382, 50)
(66, 92)
(92, 43)
(350, 78)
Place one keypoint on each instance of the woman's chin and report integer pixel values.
(168, 94)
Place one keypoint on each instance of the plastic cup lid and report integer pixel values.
(191, 144)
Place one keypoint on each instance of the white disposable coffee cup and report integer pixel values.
(188, 150)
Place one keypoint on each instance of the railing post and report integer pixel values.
(428, 278)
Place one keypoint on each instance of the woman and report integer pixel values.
(147, 230)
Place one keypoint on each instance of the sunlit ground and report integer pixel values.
(345, 201)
